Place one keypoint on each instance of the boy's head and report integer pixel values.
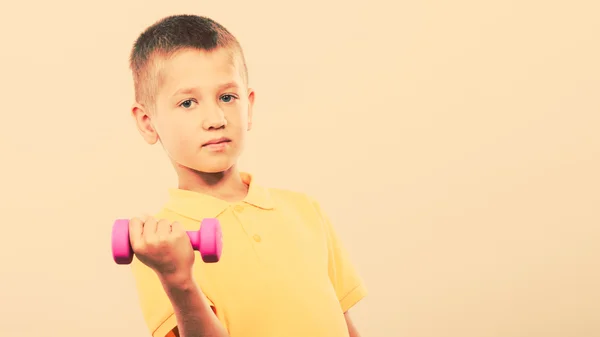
(191, 92)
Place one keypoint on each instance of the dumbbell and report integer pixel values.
(207, 240)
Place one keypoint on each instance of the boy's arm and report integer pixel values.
(167, 304)
(351, 328)
(195, 317)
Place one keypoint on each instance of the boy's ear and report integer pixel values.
(251, 95)
(141, 115)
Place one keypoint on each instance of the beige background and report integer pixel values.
(455, 145)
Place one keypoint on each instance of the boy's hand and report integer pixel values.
(163, 246)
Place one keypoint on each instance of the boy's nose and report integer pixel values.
(214, 123)
(214, 120)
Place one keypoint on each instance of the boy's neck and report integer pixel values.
(227, 185)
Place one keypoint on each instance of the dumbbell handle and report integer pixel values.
(194, 239)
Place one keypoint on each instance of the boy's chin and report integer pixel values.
(208, 165)
(213, 168)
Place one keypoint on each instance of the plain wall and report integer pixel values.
(454, 144)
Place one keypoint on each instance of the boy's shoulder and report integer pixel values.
(298, 205)
(282, 197)
(291, 198)
(289, 195)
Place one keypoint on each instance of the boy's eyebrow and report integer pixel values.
(188, 91)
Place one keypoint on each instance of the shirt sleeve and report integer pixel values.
(156, 307)
(346, 281)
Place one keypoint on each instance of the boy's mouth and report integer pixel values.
(217, 144)
(217, 141)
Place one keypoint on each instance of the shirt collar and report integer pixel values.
(198, 206)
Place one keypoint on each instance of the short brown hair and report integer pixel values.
(169, 35)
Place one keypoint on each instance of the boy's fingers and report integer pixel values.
(136, 229)
(163, 228)
(150, 227)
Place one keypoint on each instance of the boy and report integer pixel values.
(283, 271)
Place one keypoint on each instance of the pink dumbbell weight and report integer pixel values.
(207, 240)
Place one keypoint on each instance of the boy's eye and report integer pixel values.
(186, 104)
(227, 98)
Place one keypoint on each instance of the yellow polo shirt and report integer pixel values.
(283, 271)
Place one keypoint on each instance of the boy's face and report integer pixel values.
(202, 110)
